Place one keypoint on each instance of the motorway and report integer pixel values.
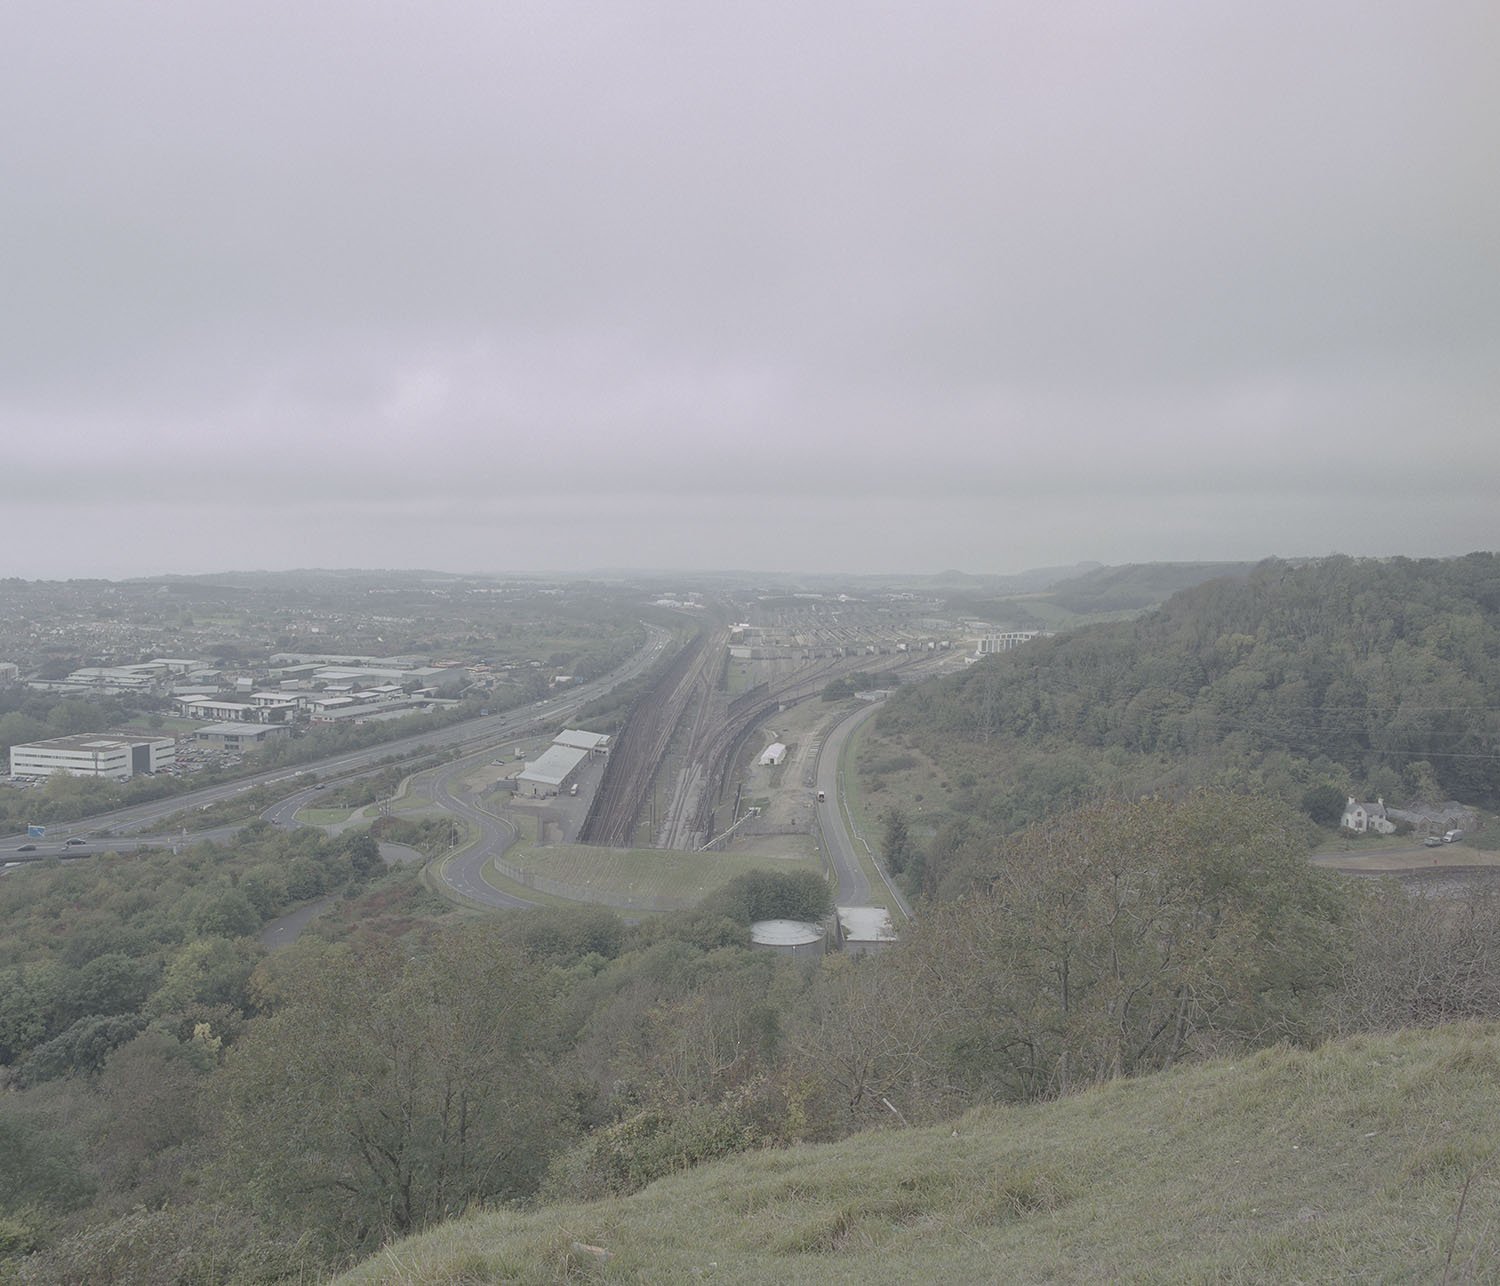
(488, 730)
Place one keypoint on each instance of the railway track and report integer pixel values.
(642, 745)
(719, 758)
(709, 745)
(690, 824)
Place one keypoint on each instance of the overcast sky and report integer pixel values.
(808, 286)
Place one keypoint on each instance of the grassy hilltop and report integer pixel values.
(1349, 1162)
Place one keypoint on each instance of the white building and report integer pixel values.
(596, 743)
(93, 755)
(215, 708)
(550, 774)
(772, 755)
(1363, 818)
(864, 929)
(989, 644)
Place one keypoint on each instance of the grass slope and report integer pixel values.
(669, 875)
(1348, 1163)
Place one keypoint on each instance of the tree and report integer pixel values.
(364, 854)
(771, 895)
(206, 971)
(228, 914)
(895, 843)
(1324, 804)
(80, 1050)
(1418, 961)
(1122, 937)
(390, 1090)
(868, 1038)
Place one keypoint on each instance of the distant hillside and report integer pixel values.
(1137, 585)
(1369, 1160)
(1375, 678)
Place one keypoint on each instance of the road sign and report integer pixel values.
(36, 832)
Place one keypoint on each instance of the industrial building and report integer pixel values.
(552, 773)
(240, 736)
(91, 754)
(560, 763)
(989, 644)
(596, 743)
(863, 929)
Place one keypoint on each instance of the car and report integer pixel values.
(27, 848)
(75, 840)
(1432, 841)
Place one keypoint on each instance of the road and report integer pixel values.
(487, 729)
(833, 817)
(463, 872)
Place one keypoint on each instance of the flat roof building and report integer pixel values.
(240, 736)
(552, 772)
(596, 743)
(864, 928)
(215, 708)
(88, 754)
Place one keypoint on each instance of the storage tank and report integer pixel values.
(789, 937)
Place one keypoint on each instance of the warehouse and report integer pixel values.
(552, 773)
(596, 743)
(90, 754)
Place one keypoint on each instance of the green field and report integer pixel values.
(683, 878)
(1371, 1160)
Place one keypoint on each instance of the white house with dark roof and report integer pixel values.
(1367, 818)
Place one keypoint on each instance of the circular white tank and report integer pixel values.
(789, 937)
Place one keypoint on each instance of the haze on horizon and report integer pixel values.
(829, 287)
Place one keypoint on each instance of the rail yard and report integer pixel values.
(670, 769)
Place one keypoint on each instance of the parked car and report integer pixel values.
(1433, 841)
(1452, 837)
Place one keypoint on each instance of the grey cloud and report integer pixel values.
(1100, 265)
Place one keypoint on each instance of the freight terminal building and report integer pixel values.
(93, 755)
(559, 764)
